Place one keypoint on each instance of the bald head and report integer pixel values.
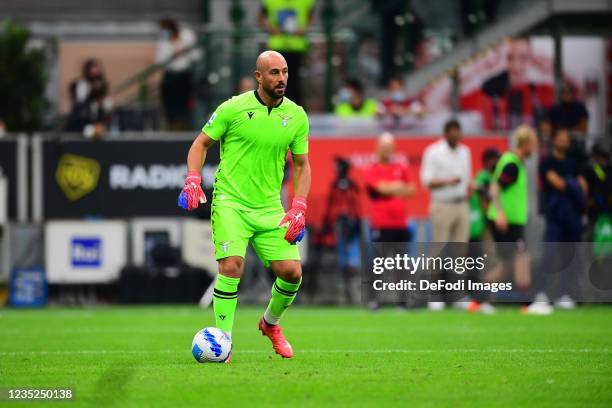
(271, 73)
(269, 58)
(385, 147)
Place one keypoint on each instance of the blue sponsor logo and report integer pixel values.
(86, 252)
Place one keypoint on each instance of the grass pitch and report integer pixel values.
(140, 356)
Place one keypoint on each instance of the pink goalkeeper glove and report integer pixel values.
(295, 219)
(192, 194)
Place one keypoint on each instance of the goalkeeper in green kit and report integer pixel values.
(256, 130)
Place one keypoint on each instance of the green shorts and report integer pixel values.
(232, 228)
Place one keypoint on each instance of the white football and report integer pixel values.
(211, 345)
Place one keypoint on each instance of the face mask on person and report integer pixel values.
(344, 95)
(397, 96)
(95, 77)
(165, 35)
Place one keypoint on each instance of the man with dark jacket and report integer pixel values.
(564, 195)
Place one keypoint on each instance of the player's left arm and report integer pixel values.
(301, 175)
(299, 152)
(295, 218)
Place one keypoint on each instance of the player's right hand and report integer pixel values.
(192, 194)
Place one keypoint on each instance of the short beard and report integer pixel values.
(271, 94)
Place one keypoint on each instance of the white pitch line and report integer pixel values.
(318, 351)
(182, 330)
(70, 330)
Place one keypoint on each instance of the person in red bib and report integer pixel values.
(388, 184)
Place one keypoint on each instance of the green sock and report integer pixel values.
(283, 294)
(225, 299)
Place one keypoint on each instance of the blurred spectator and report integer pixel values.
(599, 180)
(344, 216)
(572, 115)
(246, 84)
(479, 204)
(91, 106)
(2, 128)
(396, 105)
(286, 21)
(388, 184)
(564, 192)
(176, 45)
(80, 89)
(446, 170)
(508, 209)
(599, 231)
(352, 102)
(569, 113)
(479, 199)
(564, 195)
(510, 98)
(545, 130)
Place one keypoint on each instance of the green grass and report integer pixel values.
(140, 356)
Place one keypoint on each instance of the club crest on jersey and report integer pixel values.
(225, 245)
(285, 119)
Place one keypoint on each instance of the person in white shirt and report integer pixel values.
(176, 44)
(446, 170)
